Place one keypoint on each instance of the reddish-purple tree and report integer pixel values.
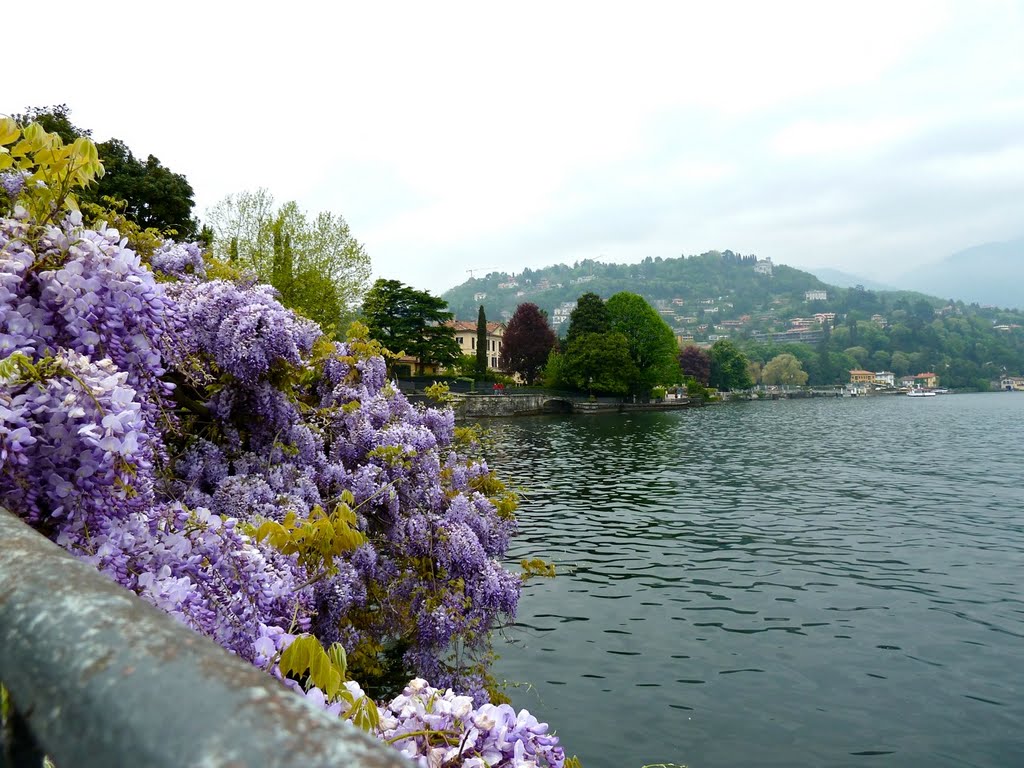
(696, 362)
(527, 341)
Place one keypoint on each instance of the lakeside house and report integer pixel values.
(926, 380)
(885, 378)
(858, 376)
(1012, 383)
(465, 335)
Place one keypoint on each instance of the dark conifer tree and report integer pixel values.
(481, 343)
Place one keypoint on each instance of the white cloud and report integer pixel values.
(838, 137)
(462, 134)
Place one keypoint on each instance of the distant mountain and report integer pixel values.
(846, 280)
(770, 308)
(990, 274)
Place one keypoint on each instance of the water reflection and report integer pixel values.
(786, 583)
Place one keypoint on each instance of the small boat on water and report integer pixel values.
(920, 393)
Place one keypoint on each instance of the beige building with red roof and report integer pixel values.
(465, 335)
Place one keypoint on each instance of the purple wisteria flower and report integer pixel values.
(164, 486)
(12, 183)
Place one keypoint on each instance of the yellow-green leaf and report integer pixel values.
(9, 130)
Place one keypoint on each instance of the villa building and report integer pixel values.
(885, 378)
(465, 334)
(1012, 383)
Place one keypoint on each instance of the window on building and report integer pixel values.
(472, 342)
(494, 362)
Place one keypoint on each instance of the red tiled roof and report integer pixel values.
(470, 325)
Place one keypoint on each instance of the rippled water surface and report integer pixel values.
(801, 583)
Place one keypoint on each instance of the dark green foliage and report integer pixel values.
(527, 342)
(729, 367)
(55, 119)
(154, 196)
(410, 321)
(481, 342)
(590, 316)
(599, 363)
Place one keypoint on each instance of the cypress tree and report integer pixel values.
(481, 343)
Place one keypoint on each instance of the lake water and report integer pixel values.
(789, 583)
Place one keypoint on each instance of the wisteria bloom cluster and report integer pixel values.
(157, 424)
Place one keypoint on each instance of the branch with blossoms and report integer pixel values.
(213, 452)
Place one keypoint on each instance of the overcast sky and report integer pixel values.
(867, 137)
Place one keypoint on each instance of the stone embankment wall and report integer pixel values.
(471, 406)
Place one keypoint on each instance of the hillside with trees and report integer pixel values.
(770, 309)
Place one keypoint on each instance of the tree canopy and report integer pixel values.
(728, 367)
(317, 265)
(598, 363)
(152, 194)
(784, 369)
(652, 345)
(410, 321)
(527, 342)
(590, 316)
(695, 363)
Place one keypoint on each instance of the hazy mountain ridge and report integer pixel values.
(847, 280)
(991, 274)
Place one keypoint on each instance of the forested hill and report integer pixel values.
(690, 279)
(754, 302)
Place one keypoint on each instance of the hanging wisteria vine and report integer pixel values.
(173, 424)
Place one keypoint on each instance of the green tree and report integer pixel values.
(728, 367)
(858, 353)
(554, 373)
(599, 363)
(152, 195)
(900, 363)
(784, 369)
(481, 343)
(590, 316)
(53, 119)
(315, 263)
(652, 345)
(410, 321)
